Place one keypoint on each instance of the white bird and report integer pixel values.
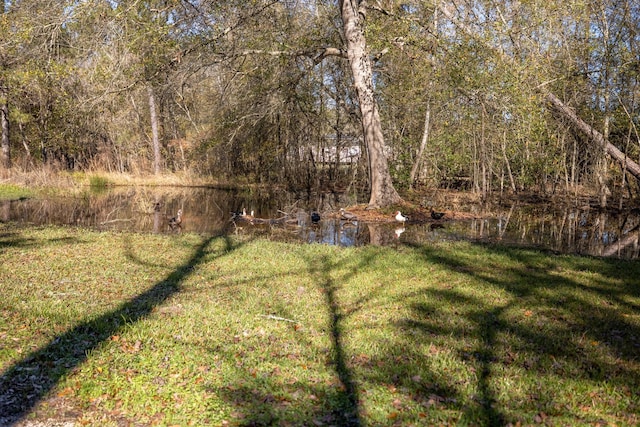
(398, 232)
(400, 217)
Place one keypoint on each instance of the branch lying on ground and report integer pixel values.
(272, 317)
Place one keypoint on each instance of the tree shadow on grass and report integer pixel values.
(12, 238)
(486, 347)
(548, 320)
(265, 400)
(28, 381)
(347, 410)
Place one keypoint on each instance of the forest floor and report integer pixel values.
(118, 329)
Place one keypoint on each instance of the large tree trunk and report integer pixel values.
(5, 157)
(5, 152)
(593, 134)
(383, 193)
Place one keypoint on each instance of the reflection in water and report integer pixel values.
(571, 230)
(208, 211)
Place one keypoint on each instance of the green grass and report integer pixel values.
(108, 329)
(14, 192)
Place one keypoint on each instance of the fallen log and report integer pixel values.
(273, 221)
(593, 135)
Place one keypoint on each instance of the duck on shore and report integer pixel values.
(437, 215)
(176, 221)
(401, 218)
(347, 216)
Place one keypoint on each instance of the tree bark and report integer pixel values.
(5, 159)
(5, 148)
(593, 134)
(383, 193)
(155, 137)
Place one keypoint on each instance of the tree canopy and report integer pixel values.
(267, 91)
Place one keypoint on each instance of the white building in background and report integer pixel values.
(349, 152)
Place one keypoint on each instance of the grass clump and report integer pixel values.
(105, 329)
(98, 182)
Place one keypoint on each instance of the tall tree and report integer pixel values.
(5, 148)
(383, 193)
(5, 157)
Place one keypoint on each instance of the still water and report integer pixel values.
(209, 211)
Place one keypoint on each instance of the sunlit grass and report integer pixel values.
(184, 330)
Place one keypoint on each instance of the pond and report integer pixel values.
(580, 230)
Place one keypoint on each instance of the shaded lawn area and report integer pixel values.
(124, 328)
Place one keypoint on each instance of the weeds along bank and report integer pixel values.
(105, 328)
(53, 180)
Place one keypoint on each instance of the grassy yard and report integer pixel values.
(112, 329)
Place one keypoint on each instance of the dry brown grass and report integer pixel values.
(48, 177)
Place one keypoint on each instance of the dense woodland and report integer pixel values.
(488, 96)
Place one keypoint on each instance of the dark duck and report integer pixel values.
(238, 215)
(437, 215)
(315, 217)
